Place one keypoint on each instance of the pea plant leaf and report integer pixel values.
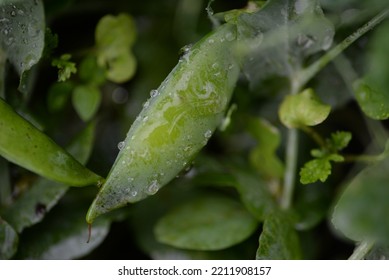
(115, 36)
(303, 109)
(8, 240)
(361, 211)
(22, 28)
(86, 100)
(207, 223)
(263, 156)
(283, 33)
(278, 240)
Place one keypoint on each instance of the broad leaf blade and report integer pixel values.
(207, 223)
(361, 212)
(22, 37)
(278, 240)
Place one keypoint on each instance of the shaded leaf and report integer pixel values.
(58, 95)
(361, 212)
(22, 36)
(303, 109)
(90, 72)
(286, 32)
(5, 184)
(339, 140)
(86, 100)
(278, 240)
(8, 240)
(207, 223)
(264, 156)
(62, 235)
(33, 205)
(373, 101)
(379, 252)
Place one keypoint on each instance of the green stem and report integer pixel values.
(364, 158)
(314, 135)
(309, 72)
(361, 250)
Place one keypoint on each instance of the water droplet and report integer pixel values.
(153, 188)
(145, 118)
(146, 104)
(211, 41)
(185, 50)
(208, 134)
(230, 36)
(13, 13)
(327, 42)
(121, 145)
(154, 93)
(130, 179)
(134, 193)
(20, 12)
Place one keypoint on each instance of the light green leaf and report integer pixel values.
(65, 67)
(115, 36)
(33, 205)
(8, 240)
(207, 223)
(263, 156)
(362, 210)
(340, 140)
(278, 240)
(303, 109)
(22, 28)
(318, 169)
(373, 101)
(86, 100)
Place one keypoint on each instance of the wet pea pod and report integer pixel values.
(25, 145)
(175, 123)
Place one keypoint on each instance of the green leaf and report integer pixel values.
(340, 140)
(90, 72)
(278, 240)
(254, 193)
(115, 36)
(362, 209)
(65, 67)
(8, 240)
(23, 28)
(86, 100)
(207, 223)
(58, 95)
(303, 109)
(318, 169)
(263, 156)
(33, 205)
(62, 235)
(373, 100)
(281, 35)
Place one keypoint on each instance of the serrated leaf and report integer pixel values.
(8, 240)
(33, 205)
(303, 109)
(281, 35)
(373, 101)
(22, 28)
(340, 140)
(263, 156)
(86, 100)
(114, 37)
(362, 209)
(278, 240)
(315, 170)
(207, 223)
(65, 67)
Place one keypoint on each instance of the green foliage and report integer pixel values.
(186, 189)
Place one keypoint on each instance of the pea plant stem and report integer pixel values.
(297, 83)
(362, 250)
(309, 72)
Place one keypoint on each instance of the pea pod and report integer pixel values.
(25, 145)
(175, 123)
